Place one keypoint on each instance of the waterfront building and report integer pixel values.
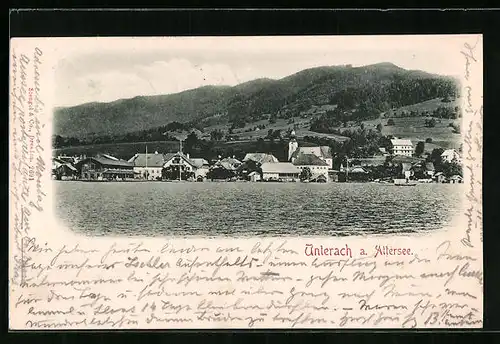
(148, 166)
(274, 171)
(439, 177)
(62, 170)
(178, 164)
(201, 168)
(318, 167)
(456, 179)
(254, 176)
(105, 167)
(353, 173)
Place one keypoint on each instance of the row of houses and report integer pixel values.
(257, 166)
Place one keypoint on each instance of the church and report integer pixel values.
(318, 159)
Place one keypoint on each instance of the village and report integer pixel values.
(304, 164)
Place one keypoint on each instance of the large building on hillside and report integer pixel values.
(402, 147)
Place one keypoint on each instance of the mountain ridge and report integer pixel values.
(243, 103)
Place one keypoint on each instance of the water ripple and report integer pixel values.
(254, 209)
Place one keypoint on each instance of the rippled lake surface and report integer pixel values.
(253, 209)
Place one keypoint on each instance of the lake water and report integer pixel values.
(253, 209)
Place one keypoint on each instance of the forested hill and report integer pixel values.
(365, 91)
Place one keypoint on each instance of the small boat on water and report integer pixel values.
(404, 182)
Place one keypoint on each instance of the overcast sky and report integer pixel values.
(107, 69)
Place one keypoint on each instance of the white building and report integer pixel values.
(402, 147)
(179, 162)
(201, 167)
(148, 166)
(280, 171)
(318, 167)
(451, 155)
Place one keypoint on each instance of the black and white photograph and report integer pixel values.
(236, 182)
(252, 136)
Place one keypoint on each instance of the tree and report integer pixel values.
(456, 128)
(191, 142)
(436, 158)
(390, 122)
(430, 123)
(305, 174)
(219, 172)
(451, 168)
(270, 134)
(428, 140)
(419, 149)
(379, 127)
(216, 135)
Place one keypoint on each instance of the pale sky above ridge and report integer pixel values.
(107, 69)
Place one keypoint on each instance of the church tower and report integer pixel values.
(292, 145)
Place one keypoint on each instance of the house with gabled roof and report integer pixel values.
(148, 166)
(456, 179)
(63, 170)
(260, 158)
(184, 164)
(316, 165)
(201, 168)
(322, 152)
(179, 164)
(451, 155)
(231, 163)
(105, 167)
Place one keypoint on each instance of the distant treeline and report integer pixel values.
(441, 112)
(162, 133)
(353, 103)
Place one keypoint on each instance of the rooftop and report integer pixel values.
(150, 160)
(308, 160)
(401, 142)
(232, 161)
(319, 151)
(199, 162)
(108, 160)
(169, 156)
(449, 152)
(260, 157)
(279, 167)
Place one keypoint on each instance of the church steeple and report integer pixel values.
(292, 145)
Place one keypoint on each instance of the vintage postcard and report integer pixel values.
(282, 182)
